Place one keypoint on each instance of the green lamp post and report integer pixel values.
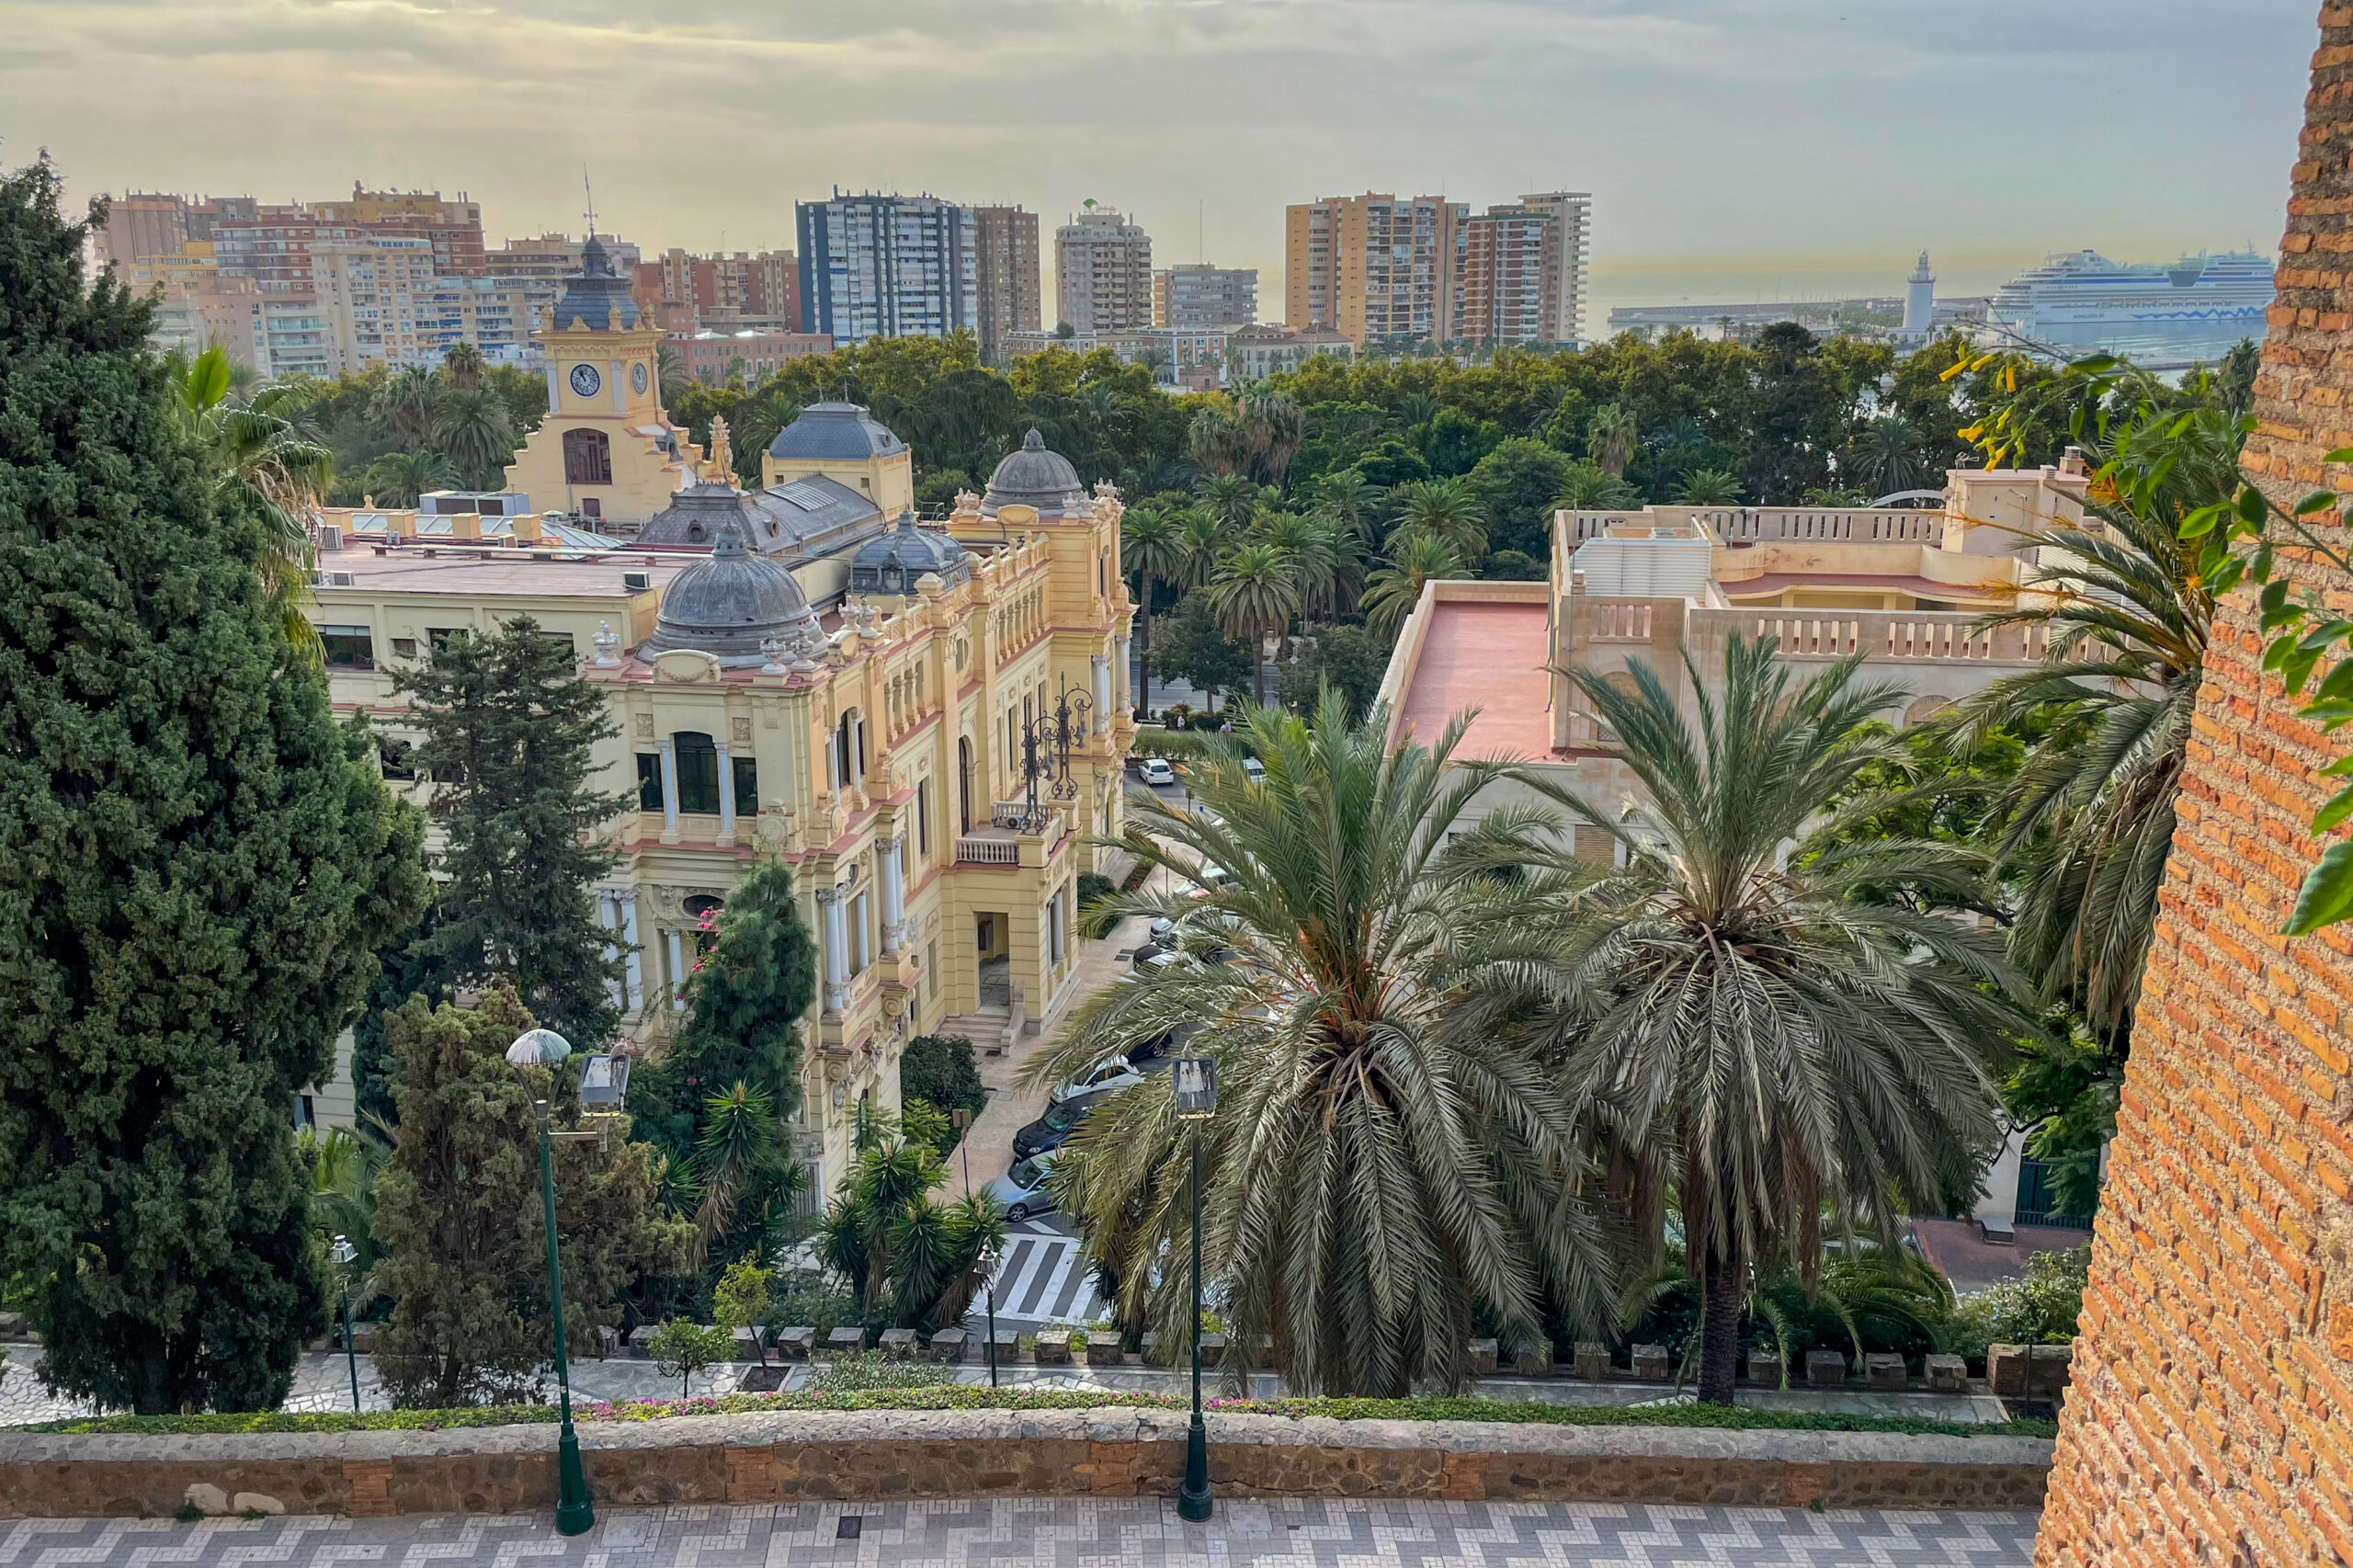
(345, 1255)
(573, 1513)
(1196, 1089)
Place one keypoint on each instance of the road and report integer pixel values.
(1063, 1533)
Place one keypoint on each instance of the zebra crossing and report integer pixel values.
(1042, 1278)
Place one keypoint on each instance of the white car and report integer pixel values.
(1254, 769)
(1155, 771)
(1112, 1072)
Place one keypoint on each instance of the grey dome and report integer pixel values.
(730, 603)
(594, 300)
(890, 562)
(835, 432)
(1033, 477)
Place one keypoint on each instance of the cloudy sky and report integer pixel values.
(1734, 148)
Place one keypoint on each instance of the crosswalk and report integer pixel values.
(1042, 1280)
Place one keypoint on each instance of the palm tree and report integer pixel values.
(1610, 438)
(1450, 508)
(1234, 498)
(1707, 487)
(670, 372)
(477, 433)
(1307, 543)
(1218, 443)
(464, 364)
(1888, 455)
(1375, 1175)
(1727, 1006)
(1152, 545)
(398, 479)
(1203, 538)
(1347, 498)
(1275, 427)
(260, 464)
(406, 400)
(1392, 591)
(742, 1150)
(2088, 821)
(1255, 592)
(1586, 487)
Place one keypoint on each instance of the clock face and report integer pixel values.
(637, 378)
(584, 379)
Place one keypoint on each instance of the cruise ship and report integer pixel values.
(2163, 317)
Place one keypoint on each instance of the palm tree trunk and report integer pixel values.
(1720, 1281)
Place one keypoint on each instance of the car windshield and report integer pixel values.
(1028, 1175)
(1064, 1116)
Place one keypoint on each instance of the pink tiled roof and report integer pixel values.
(1488, 656)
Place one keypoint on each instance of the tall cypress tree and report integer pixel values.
(196, 867)
(509, 730)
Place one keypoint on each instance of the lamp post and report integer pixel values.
(573, 1513)
(345, 1256)
(988, 1261)
(1196, 1087)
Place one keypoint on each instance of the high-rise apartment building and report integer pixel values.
(453, 228)
(1005, 248)
(1519, 271)
(142, 225)
(1103, 272)
(1195, 295)
(745, 291)
(1375, 267)
(554, 257)
(874, 266)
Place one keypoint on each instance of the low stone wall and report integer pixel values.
(807, 1456)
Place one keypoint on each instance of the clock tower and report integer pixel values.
(606, 450)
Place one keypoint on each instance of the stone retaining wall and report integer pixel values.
(805, 1456)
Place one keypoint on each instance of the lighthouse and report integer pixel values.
(1919, 302)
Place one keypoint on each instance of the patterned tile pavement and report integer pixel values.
(1059, 1533)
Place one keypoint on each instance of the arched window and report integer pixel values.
(697, 773)
(849, 749)
(703, 910)
(587, 457)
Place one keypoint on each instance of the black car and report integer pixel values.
(1053, 1129)
(1162, 1048)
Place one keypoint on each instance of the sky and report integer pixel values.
(1736, 148)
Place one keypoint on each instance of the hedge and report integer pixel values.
(974, 1397)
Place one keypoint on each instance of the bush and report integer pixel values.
(1092, 891)
(682, 1348)
(809, 1298)
(861, 1369)
(2040, 1308)
(940, 1071)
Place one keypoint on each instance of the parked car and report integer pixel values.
(1155, 771)
(1053, 1130)
(1022, 1191)
(1254, 769)
(1161, 1049)
(1112, 1072)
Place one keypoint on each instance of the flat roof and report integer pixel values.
(495, 569)
(1854, 582)
(1489, 655)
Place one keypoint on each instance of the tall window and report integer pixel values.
(698, 772)
(649, 781)
(747, 786)
(922, 821)
(849, 750)
(964, 783)
(587, 457)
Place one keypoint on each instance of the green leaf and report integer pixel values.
(2226, 576)
(2201, 523)
(2342, 767)
(2339, 807)
(2342, 455)
(2318, 501)
(2297, 668)
(2326, 896)
(2259, 566)
(2251, 505)
(2273, 597)
(208, 379)
(2338, 687)
(2327, 631)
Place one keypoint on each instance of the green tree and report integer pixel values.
(1743, 1026)
(1351, 660)
(406, 400)
(1152, 545)
(1588, 488)
(1886, 455)
(1197, 652)
(1794, 417)
(1378, 1178)
(940, 1071)
(741, 1299)
(1612, 438)
(1255, 593)
(399, 479)
(1707, 487)
(1517, 483)
(476, 433)
(463, 364)
(1392, 591)
(508, 728)
(196, 864)
(916, 1262)
(459, 1213)
(681, 1347)
(1450, 509)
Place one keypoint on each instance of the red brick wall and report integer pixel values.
(2212, 1420)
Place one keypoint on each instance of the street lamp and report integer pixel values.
(573, 1513)
(988, 1263)
(345, 1256)
(1196, 1087)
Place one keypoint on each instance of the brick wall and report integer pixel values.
(2212, 1420)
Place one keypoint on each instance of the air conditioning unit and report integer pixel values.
(338, 579)
(330, 538)
(637, 582)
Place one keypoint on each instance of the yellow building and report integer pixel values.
(929, 743)
(606, 449)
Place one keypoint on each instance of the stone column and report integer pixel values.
(669, 784)
(633, 965)
(726, 792)
(676, 945)
(858, 749)
(608, 916)
(1102, 668)
(837, 948)
(895, 892)
(1120, 643)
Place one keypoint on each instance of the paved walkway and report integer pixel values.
(1063, 1533)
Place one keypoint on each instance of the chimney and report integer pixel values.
(465, 524)
(527, 530)
(2071, 463)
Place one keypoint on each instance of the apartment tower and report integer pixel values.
(1195, 296)
(1519, 271)
(1103, 272)
(877, 265)
(1004, 251)
(1374, 268)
